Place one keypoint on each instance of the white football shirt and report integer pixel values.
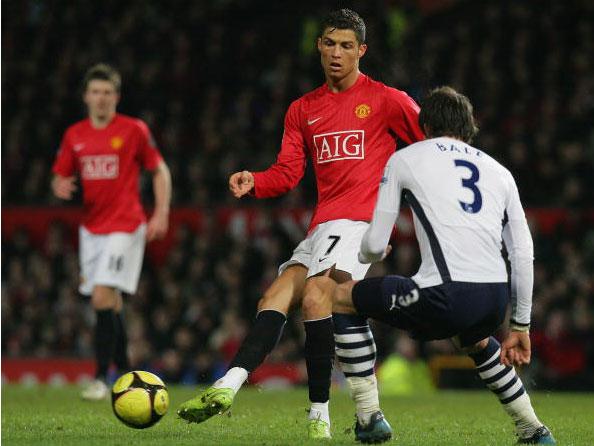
(464, 204)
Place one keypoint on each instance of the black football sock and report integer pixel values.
(104, 341)
(319, 356)
(121, 344)
(260, 341)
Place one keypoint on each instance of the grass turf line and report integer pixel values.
(56, 416)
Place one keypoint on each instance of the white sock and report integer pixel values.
(522, 412)
(364, 392)
(233, 379)
(319, 411)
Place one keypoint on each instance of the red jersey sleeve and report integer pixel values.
(289, 168)
(65, 162)
(402, 114)
(148, 153)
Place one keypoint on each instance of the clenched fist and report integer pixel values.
(240, 183)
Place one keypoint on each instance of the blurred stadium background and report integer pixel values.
(213, 80)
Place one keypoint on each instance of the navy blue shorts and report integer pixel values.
(471, 311)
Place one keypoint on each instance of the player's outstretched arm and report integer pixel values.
(516, 349)
(64, 187)
(241, 183)
(159, 222)
(374, 245)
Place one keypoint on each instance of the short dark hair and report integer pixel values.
(448, 113)
(102, 72)
(345, 19)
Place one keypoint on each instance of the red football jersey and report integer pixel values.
(108, 161)
(349, 136)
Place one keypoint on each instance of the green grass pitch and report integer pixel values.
(56, 416)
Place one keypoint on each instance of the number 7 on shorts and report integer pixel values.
(335, 239)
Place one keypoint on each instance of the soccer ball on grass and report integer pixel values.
(139, 399)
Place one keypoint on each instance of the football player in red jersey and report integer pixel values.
(107, 151)
(349, 128)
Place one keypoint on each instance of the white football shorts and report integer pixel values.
(113, 260)
(334, 242)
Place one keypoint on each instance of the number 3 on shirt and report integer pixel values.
(470, 183)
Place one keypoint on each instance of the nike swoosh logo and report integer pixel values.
(313, 121)
(322, 259)
(78, 147)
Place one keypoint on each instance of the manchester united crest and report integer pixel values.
(116, 142)
(362, 111)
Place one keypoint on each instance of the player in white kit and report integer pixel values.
(465, 204)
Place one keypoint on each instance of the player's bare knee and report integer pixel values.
(475, 348)
(312, 305)
(104, 297)
(317, 296)
(275, 299)
(481, 345)
(343, 295)
(268, 301)
(286, 291)
(318, 285)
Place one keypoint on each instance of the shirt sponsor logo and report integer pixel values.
(99, 167)
(362, 111)
(336, 146)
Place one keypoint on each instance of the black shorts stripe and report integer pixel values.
(356, 359)
(515, 396)
(497, 376)
(350, 330)
(438, 256)
(359, 374)
(488, 366)
(507, 386)
(352, 345)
